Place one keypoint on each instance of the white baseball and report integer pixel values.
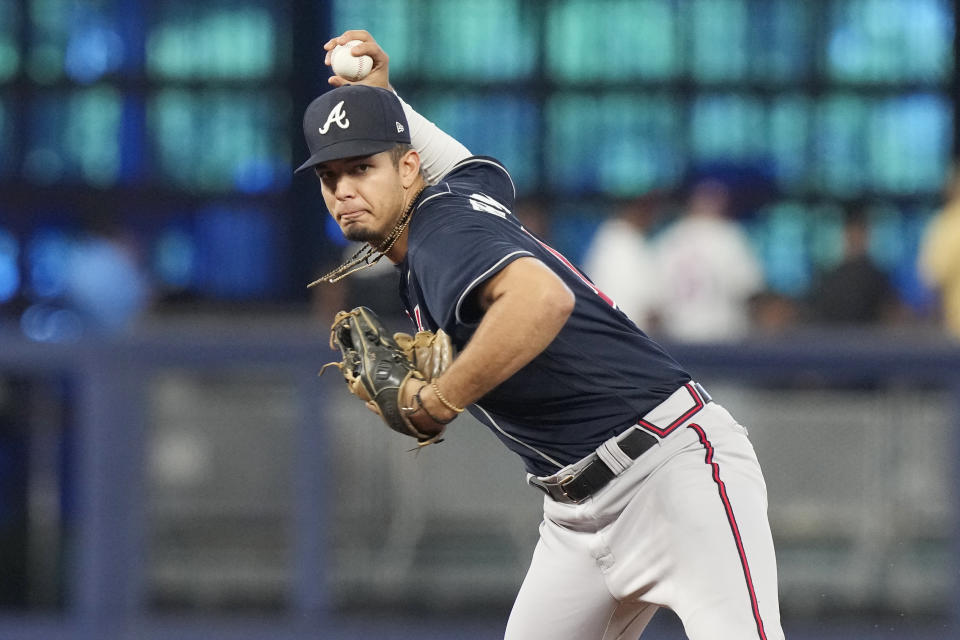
(347, 66)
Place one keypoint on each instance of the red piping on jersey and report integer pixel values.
(569, 265)
(697, 405)
(731, 519)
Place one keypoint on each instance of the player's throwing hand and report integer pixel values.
(379, 75)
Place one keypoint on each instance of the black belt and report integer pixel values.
(595, 474)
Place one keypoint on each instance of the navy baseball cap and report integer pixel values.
(353, 120)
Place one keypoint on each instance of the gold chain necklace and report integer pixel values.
(368, 255)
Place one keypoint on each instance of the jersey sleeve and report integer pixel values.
(456, 253)
(483, 175)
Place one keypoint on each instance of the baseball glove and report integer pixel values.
(375, 367)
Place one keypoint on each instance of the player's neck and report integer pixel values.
(394, 246)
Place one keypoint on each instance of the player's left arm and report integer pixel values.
(524, 306)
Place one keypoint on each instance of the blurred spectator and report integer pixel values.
(620, 260)
(533, 215)
(773, 313)
(709, 271)
(856, 290)
(106, 284)
(939, 260)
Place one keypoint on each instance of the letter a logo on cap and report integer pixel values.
(337, 116)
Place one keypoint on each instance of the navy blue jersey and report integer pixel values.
(597, 377)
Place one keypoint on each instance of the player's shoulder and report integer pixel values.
(481, 174)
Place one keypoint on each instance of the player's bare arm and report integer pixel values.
(524, 307)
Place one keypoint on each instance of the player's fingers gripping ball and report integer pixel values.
(348, 66)
(375, 368)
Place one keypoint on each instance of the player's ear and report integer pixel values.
(409, 167)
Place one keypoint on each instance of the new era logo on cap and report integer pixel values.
(350, 121)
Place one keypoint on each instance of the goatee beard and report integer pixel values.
(362, 235)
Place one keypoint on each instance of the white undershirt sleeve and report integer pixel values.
(439, 151)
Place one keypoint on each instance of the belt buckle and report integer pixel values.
(563, 488)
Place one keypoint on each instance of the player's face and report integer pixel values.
(364, 195)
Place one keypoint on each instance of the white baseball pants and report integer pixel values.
(684, 527)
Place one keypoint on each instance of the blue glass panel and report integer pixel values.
(175, 258)
(616, 143)
(572, 226)
(75, 137)
(639, 39)
(890, 40)
(78, 39)
(494, 125)
(218, 39)
(908, 141)
(236, 253)
(9, 268)
(48, 258)
(781, 40)
(6, 141)
(904, 272)
(221, 140)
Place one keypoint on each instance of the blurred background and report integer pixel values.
(766, 186)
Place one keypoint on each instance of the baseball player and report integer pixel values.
(653, 496)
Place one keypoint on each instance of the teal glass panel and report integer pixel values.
(490, 40)
(889, 41)
(617, 143)
(839, 153)
(485, 40)
(727, 127)
(49, 26)
(75, 137)
(717, 39)
(79, 40)
(220, 140)
(494, 125)
(825, 222)
(219, 39)
(789, 133)
(396, 24)
(780, 236)
(9, 47)
(590, 41)
(908, 140)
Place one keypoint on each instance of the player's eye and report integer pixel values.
(361, 169)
